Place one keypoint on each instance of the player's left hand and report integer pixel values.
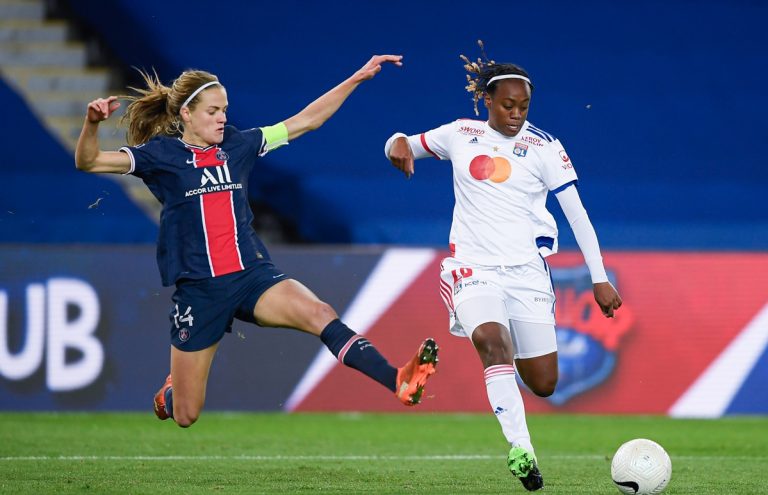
(607, 298)
(373, 66)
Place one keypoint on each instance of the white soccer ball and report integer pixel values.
(641, 467)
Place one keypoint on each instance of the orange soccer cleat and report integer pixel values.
(412, 377)
(160, 411)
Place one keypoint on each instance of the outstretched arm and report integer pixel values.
(605, 293)
(88, 156)
(320, 110)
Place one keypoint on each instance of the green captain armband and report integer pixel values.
(274, 136)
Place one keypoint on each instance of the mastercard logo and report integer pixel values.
(483, 167)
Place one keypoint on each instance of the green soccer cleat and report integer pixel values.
(522, 464)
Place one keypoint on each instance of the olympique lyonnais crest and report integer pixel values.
(520, 149)
(587, 341)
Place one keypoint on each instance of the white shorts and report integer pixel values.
(502, 294)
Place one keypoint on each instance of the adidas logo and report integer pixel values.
(499, 410)
(473, 140)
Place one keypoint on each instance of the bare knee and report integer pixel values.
(319, 315)
(539, 374)
(185, 421)
(493, 344)
(542, 386)
(185, 416)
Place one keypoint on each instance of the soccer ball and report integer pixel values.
(641, 467)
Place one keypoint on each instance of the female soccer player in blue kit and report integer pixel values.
(496, 284)
(198, 168)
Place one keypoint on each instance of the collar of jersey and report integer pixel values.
(496, 133)
(194, 145)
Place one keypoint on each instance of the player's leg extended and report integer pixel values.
(493, 342)
(494, 345)
(290, 304)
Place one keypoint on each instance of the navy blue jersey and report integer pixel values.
(205, 224)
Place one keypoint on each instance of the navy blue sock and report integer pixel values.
(356, 352)
(169, 402)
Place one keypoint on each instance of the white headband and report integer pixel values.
(508, 76)
(197, 92)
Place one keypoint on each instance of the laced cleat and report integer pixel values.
(160, 411)
(522, 464)
(412, 377)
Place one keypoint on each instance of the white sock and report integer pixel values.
(507, 404)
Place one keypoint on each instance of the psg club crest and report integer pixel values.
(221, 155)
(587, 341)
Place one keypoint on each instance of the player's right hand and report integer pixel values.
(401, 156)
(101, 108)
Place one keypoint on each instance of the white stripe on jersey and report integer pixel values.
(234, 222)
(205, 233)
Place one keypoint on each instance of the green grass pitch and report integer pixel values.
(420, 453)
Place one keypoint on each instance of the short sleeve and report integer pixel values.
(143, 158)
(435, 142)
(254, 137)
(557, 168)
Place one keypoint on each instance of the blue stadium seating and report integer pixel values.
(661, 105)
(45, 199)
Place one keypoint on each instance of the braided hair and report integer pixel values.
(481, 71)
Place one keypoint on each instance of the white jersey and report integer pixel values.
(500, 185)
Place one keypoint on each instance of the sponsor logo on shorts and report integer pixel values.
(458, 286)
(459, 275)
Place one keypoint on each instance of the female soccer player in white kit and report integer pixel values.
(496, 283)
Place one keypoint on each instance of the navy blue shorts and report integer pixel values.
(203, 310)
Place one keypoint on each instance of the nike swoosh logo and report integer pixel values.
(191, 162)
(277, 276)
(632, 485)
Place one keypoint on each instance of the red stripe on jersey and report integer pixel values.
(426, 147)
(220, 233)
(452, 249)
